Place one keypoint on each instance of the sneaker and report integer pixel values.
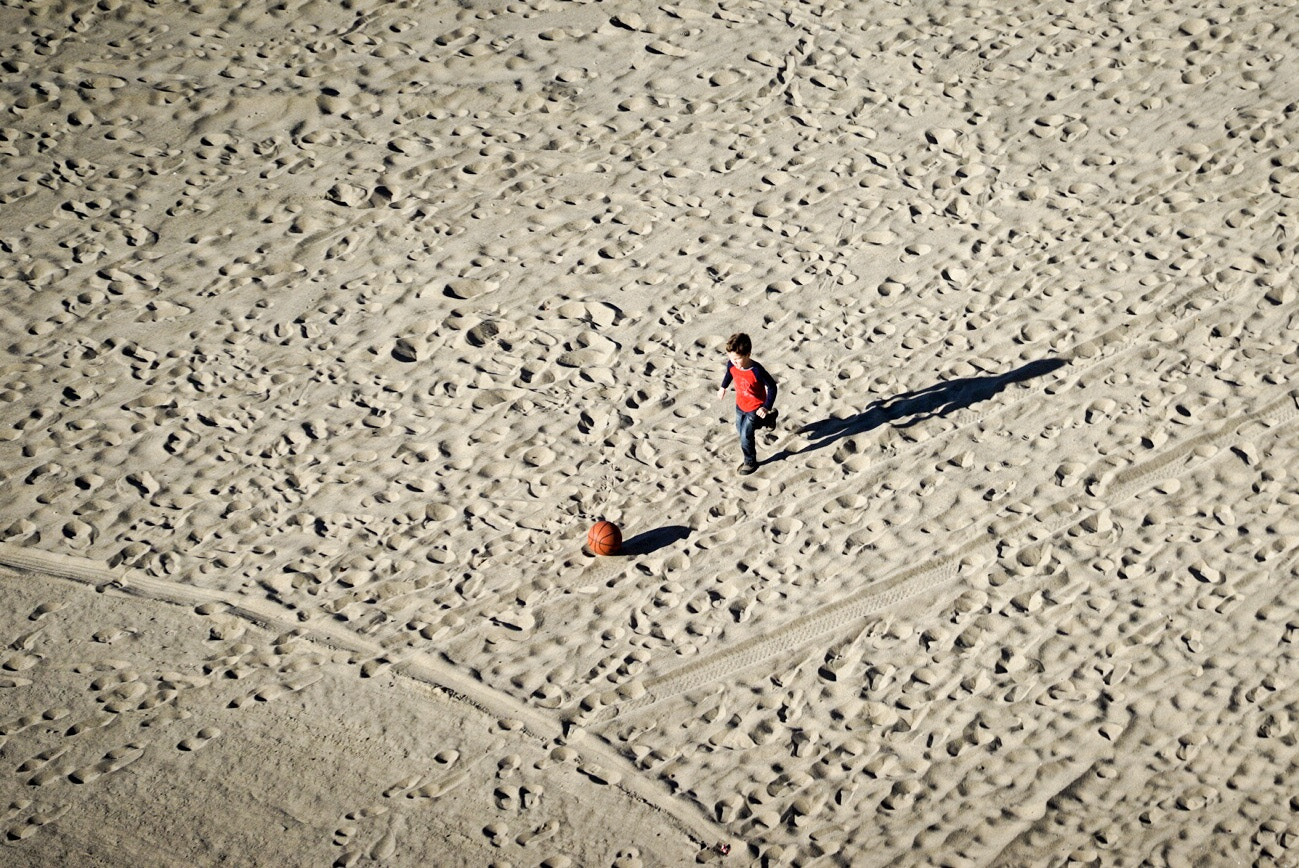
(746, 468)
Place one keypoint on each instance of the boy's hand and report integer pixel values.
(721, 393)
(762, 412)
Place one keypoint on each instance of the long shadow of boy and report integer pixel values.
(916, 407)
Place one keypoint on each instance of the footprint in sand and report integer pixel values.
(115, 760)
(34, 822)
(199, 739)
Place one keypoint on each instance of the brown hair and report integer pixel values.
(739, 344)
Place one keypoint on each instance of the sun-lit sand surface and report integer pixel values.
(330, 327)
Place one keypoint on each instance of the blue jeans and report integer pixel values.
(744, 424)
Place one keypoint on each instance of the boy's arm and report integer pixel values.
(768, 384)
(726, 380)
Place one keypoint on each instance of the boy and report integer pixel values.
(755, 393)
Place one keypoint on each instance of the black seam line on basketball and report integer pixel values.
(424, 668)
(909, 582)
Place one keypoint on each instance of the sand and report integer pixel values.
(330, 328)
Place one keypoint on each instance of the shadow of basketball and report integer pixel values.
(653, 540)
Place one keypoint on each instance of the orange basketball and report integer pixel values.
(604, 538)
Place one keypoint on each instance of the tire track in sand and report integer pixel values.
(423, 667)
(907, 583)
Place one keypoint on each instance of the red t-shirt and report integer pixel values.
(754, 387)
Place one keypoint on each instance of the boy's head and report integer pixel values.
(740, 345)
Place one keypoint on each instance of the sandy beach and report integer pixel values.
(329, 328)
